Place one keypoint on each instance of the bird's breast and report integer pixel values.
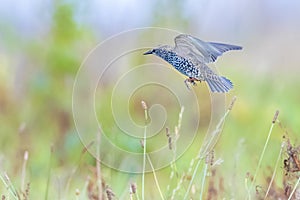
(184, 66)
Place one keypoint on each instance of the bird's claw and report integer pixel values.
(189, 81)
(186, 82)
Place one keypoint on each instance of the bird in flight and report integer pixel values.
(190, 57)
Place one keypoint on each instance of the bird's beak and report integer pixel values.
(148, 52)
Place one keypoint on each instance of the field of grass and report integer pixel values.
(58, 166)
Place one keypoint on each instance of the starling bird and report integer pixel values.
(190, 57)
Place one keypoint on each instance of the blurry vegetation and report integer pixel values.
(170, 17)
(37, 114)
(62, 52)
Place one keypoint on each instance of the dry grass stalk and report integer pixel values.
(109, 193)
(263, 153)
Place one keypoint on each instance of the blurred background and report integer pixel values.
(43, 43)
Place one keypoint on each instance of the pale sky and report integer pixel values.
(110, 17)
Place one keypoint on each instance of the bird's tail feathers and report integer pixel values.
(219, 84)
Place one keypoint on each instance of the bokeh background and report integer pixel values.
(43, 43)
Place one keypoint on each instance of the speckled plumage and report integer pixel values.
(190, 56)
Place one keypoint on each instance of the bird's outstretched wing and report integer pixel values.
(198, 50)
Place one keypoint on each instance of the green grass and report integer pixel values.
(221, 174)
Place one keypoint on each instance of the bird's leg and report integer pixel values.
(190, 80)
(186, 82)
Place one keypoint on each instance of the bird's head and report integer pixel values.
(158, 50)
(151, 51)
